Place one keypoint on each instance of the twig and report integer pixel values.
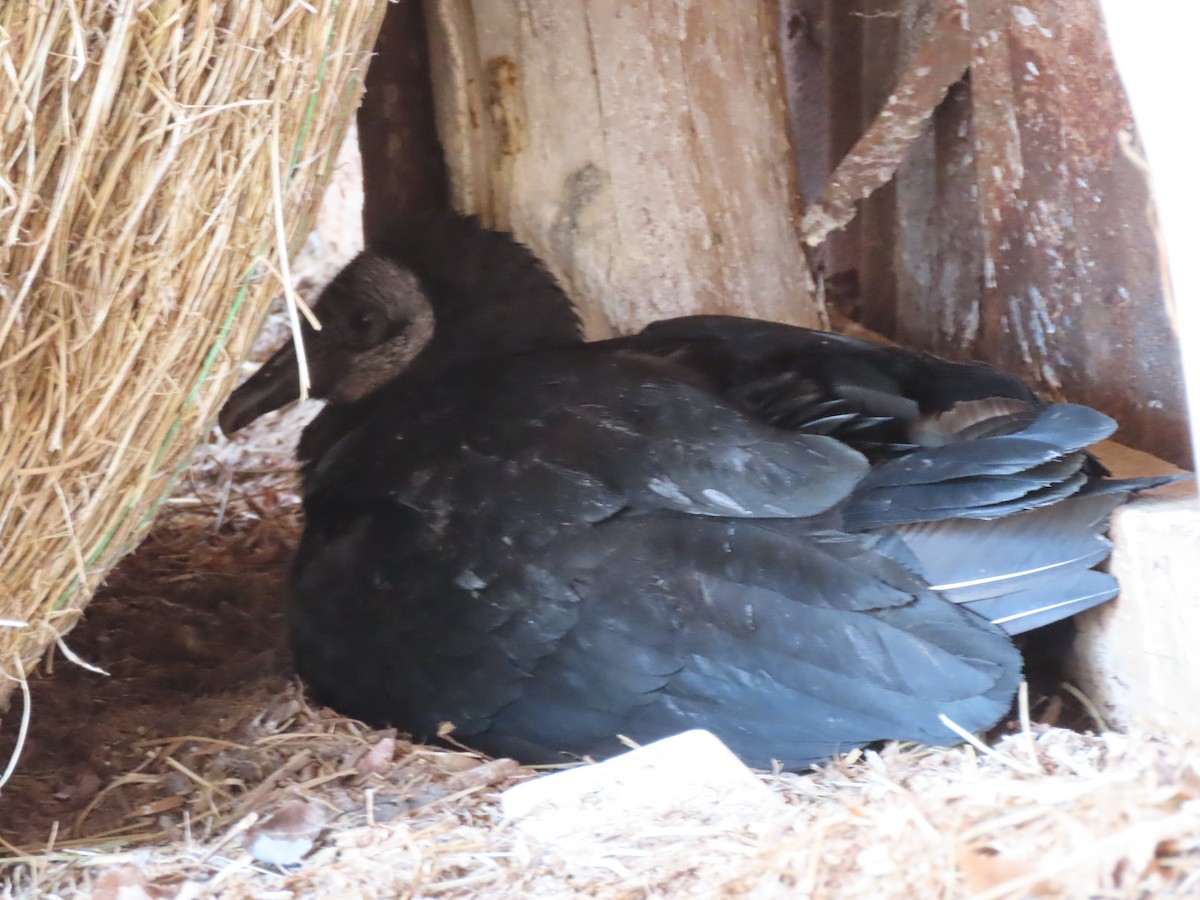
(983, 748)
(285, 274)
(23, 730)
(80, 661)
(1092, 709)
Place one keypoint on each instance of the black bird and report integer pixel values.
(802, 542)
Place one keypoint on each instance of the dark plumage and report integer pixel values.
(802, 542)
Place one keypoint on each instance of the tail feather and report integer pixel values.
(1056, 432)
(982, 497)
(990, 476)
(1056, 597)
(974, 559)
(1126, 486)
(1024, 570)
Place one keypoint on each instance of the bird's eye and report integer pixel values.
(366, 327)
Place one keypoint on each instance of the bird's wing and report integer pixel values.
(582, 425)
(991, 476)
(881, 399)
(603, 548)
(789, 646)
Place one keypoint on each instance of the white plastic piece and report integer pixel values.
(689, 783)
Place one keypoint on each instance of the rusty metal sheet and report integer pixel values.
(1015, 229)
(1072, 287)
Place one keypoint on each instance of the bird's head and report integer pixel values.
(374, 318)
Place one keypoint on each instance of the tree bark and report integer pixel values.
(640, 148)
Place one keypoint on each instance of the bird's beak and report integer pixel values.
(274, 385)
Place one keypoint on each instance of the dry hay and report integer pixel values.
(150, 156)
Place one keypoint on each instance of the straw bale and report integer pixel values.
(154, 158)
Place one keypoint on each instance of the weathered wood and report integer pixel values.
(1154, 61)
(1136, 657)
(804, 49)
(640, 148)
(937, 65)
(402, 162)
(890, 62)
(939, 269)
(885, 52)
(1016, 228)
(924, 41)
(839, 256)
(1073, 294)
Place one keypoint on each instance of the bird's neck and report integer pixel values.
(500, 325)
(490, 293)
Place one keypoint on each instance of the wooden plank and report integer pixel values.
(401, 159)
(884, 94)
(806, 49)
(837, 259)
(1073, 296)
(640, 148)
(906, 57)
(1135, 656)
(903, 111)
(939, 271)
(913, 51)
(1153, 61)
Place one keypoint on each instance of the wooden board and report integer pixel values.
(640, 147)
(1135, 657)
(403, 168)
(1017, 230)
